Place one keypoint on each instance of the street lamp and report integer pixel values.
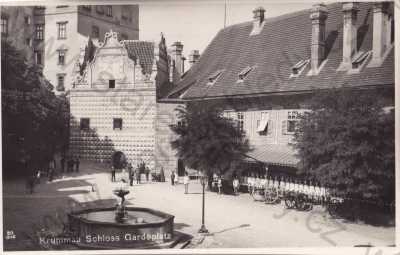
(203, 228)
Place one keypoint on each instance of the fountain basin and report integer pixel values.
(143, 228)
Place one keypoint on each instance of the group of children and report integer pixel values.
(217, 183)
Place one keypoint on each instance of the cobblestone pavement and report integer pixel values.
(233, 221)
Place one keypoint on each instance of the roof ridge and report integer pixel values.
(133, 40)
(279, 17)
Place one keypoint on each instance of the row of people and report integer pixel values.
(131, 174)
(285, 185)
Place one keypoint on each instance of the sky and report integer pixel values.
(195, 22)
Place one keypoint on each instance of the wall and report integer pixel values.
(18, 30)
(133, 99)
(79, 27)
(165, 155)
(52, 44)
(130, 26)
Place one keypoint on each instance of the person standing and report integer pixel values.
(250, 182)
(30, 183)
(147, 172)
(112, 174)
(219, 184)
(130, 172)
(173, 178)
(62, 163)
(186, 182)
(236, 186)
(77, 163)
(214, 182)
(138, 175)
(38, 173)
(52, 168)
(176, 179)
(70, 164)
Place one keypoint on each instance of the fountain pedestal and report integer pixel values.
(122, 227)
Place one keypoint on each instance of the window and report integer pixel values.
(38, 57)
(124, 15)
(109, 10)
(299, 67)
(61, 57)
(95, 32)
(263, 127)
(4, 26)
(99, 9)
(62, 30)
(87, 7)
(289, 125)
(111, 84)
(213, 77)
(39, 31)
(27, 20)
(244, 73)
(84, 123)
(117, 123)
(60, 82)
(359, 59)
(62, 6)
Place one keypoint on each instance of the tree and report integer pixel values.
(346, 142)
(207, 141)
(35, 121)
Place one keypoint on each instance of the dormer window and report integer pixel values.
(299, 67)
(359, 59)
(214, 77)
(244, 73)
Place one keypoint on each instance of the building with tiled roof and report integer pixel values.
(113, 101)
(263, 72)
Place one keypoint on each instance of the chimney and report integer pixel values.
(381, 30)
(318, 15)
(176, 54)
(193, 57)
(350, 10)
(183, 65)
(258, 20)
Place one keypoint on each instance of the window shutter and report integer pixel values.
(269, 127)
(284, 127)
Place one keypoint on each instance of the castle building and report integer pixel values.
(114, 102)
(52, 36)
(264, 72)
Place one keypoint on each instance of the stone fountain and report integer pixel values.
(122, 227)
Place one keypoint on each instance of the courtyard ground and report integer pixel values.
(233, 221)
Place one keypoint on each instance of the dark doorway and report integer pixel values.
(119, 160)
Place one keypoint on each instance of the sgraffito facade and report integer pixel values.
(114, 103)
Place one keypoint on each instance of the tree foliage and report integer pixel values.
(207, 141)
(346, 142)
(35, 121)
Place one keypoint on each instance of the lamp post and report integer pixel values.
(203, 228)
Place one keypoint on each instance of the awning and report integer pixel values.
(274, 154)
(263, 124)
